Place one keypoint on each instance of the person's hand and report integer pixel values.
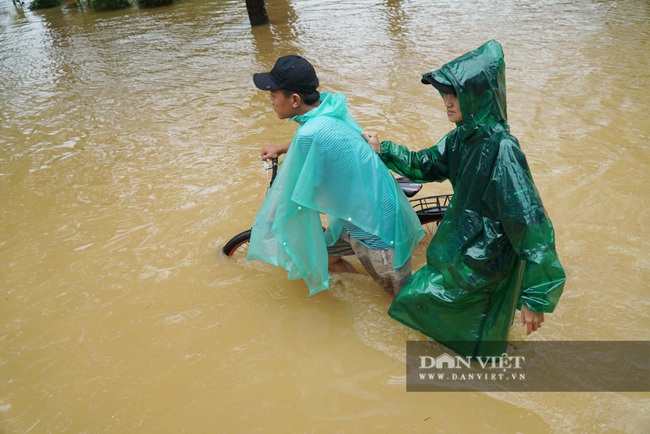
(372, 138)
(532, 320)
(272, 151)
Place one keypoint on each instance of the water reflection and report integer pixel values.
(397, 20)
(277, 38)
(282, 33)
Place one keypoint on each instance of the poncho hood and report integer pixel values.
(333, 105)
(480, 82)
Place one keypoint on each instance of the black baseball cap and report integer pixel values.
(292, 72)
(438, 84)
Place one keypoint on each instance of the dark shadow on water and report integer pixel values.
(278, 38)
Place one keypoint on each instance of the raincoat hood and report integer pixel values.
(480, 83)
(333, 105)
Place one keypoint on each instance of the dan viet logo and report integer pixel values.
(458, 368)
(535, 366)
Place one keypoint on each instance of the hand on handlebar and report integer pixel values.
(373, 139)
(273, 151)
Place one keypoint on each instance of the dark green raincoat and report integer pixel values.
(495, 249)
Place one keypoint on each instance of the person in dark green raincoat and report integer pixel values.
(494, 251)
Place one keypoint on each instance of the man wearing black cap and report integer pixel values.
(494, 251)
(329, 170)
(293, 86)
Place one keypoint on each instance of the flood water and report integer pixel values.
(129, 150)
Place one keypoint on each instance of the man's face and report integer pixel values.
(283, 105)
(453, 107)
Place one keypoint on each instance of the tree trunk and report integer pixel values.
(257, 12)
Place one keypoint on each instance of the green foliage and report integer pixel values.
(110, 5)
(44, 4)
(154, 3)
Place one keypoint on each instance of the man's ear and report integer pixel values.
(296, 100)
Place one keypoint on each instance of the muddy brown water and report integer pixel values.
(128, 156)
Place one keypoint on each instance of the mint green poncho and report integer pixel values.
(329, 169)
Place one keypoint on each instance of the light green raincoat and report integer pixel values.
(329, 169)
(494, 249)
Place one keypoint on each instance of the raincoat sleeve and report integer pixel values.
(513, 199)
(419, 166)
